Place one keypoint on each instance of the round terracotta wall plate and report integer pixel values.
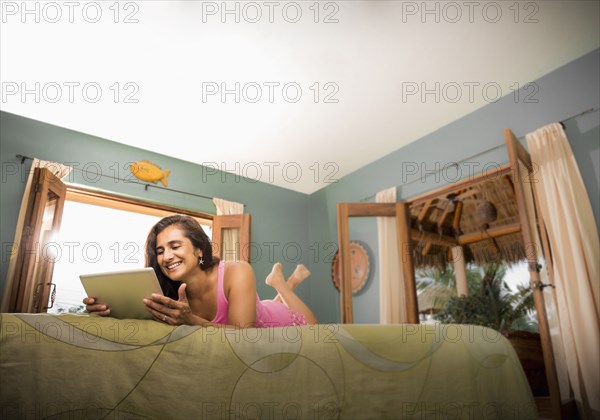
(359, 264)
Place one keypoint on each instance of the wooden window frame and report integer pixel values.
(119, 202)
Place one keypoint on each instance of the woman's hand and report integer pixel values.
(94, 308)
(173, 312)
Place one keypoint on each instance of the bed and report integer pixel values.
(78, 366)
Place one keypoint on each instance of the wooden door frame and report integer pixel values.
(401, 212)
(404, 232)
(516, 154)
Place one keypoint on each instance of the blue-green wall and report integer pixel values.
(283, 217)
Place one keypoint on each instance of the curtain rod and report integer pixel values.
(562, 123)
(146, 186)
(587, 111)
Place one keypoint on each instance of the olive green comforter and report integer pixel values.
(82, 367)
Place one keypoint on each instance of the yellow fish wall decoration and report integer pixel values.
(148, 171)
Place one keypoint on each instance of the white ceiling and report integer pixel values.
(367, 62)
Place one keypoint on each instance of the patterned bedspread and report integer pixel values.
(82, 367)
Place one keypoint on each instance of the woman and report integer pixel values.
(199, 289)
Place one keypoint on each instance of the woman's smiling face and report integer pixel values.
(176, 255)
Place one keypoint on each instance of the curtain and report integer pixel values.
(572, 233)
(392, 302)
(60, 171)
(230, 237)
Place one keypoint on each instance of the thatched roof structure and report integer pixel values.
(483, 217)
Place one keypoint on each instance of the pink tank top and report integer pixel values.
(269, 313)
(222, 316)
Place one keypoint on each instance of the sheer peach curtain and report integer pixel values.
(230, 237)
(573, 236)
(392, 303)
(60, 171)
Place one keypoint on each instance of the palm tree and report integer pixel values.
(436, 286)
(430, 276)
(493, 305)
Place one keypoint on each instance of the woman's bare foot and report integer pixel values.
(286, 295)
(275, 278)
(299, 274)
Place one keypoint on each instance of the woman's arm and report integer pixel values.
(240, 288)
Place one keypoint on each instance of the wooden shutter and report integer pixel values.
(35, 262)
(237, 221)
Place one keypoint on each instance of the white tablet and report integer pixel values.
(123, 291)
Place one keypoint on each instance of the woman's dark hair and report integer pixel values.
(194, 232)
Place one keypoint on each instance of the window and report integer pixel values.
(99, 234)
